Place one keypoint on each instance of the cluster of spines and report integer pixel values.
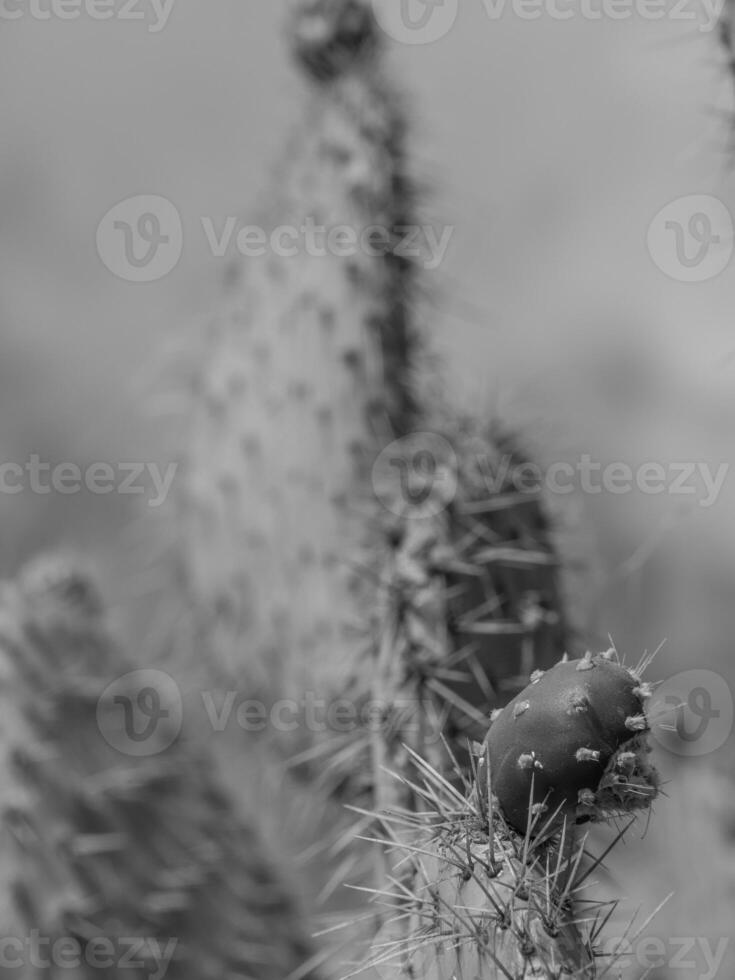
(470, 895)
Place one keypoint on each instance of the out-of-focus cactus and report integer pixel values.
(307, 379)
(112, 854)
(305, 374)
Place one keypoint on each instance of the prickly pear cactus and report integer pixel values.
(131, 860)
(469, 604)
(305, 374)
(479, 904)
(482, 537)
(424, 602)
(496, 873)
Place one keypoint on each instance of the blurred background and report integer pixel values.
(548, 146)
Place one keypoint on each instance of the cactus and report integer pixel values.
(305, 376)
(101, 846)
(477, 900)
(469, 605)
(496, 873)
(306, 380)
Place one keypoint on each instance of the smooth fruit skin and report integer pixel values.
(552, 745)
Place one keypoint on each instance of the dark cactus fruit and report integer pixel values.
(102, 847)
(573, 744)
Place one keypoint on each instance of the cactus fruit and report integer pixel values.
(489, 881)
(106, 847)
(574, 743)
